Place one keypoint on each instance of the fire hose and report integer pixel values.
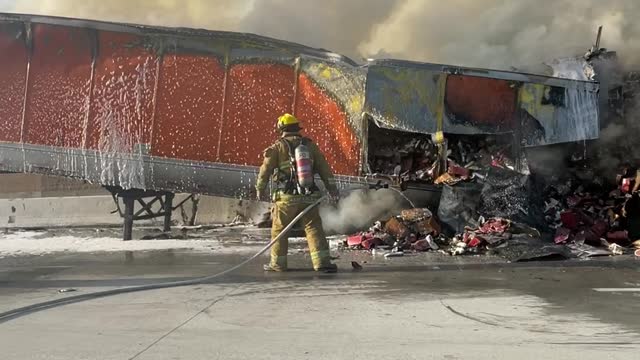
(29, 309)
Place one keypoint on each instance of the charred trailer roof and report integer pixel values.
(427, 98)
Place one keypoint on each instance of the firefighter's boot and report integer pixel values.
(274, 268)
(329, 268)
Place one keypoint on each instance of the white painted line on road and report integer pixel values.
(617, 289)
(14, 268)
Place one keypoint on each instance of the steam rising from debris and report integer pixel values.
(619, 90)
(618, 142)
(487, 33)
(547, 160)
(360, 209)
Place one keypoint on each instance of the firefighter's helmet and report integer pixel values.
(287, 120)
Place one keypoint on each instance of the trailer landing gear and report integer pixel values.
(147, 199)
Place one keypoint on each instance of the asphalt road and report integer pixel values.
(400, 309)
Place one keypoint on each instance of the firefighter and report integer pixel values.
(293, 190)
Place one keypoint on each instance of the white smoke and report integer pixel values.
(484, 33)
(360, 209)
(214, 15)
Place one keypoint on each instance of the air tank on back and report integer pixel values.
(304, 165)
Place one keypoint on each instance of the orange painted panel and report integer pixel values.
(326, 124)
(13, 59)
(189, 108)
(256, 95)
(122, 101)
(58, 87)
(481, 101)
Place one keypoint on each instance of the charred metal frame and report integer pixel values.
(146, 212)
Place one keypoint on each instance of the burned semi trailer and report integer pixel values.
(465, 105)
(154, 110)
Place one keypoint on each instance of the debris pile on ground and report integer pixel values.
(418, 230)
(492, 231)
(511, 240)
(505, 213)
(584, 212)
(412, 230)
(580, 210)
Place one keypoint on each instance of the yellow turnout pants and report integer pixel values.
(282, 214)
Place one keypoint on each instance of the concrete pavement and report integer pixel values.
(389, 310)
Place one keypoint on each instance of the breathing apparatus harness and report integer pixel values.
(300, 177)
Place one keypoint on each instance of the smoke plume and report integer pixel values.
(360, 209)
(618, 142)
(485, 33)
(215, 15)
